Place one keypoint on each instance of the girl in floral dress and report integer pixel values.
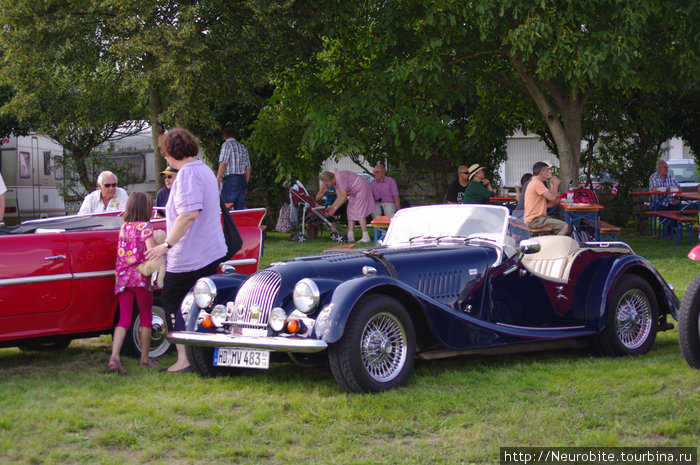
(135, 238)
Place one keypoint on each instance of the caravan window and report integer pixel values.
(47, 163)
(135, 162)
(25, 165)
(58, 168)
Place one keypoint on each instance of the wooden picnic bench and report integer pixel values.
(674, 223)
(520, 231)
(607, 231)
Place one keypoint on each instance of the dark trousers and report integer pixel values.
(175, 288)
(233, 190)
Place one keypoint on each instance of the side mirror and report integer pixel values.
(528, 246)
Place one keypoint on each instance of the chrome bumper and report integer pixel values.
(278, 344)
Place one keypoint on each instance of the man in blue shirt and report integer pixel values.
(234, 170)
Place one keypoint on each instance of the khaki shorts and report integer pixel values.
(547, 222)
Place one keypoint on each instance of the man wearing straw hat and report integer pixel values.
(479, 188)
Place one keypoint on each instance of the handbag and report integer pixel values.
(233, 238)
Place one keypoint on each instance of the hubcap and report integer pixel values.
(633, 319)
(159, 328)
(383, 347)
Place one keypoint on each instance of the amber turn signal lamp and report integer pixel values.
(293, 326)
(207, 323)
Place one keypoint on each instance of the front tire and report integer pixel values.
(377, 349)
(689, 324)
(202, 362)
(159, 344)
(632, 319)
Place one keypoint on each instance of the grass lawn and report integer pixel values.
(65, 407)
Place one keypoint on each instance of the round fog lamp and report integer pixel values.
(306, 295)
(218, 315)
(204, 292)
(277, 319)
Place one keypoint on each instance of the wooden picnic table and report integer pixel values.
(577, 213)
(380, 225)
(509, 201)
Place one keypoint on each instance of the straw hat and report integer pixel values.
(473, 169)
(169, 170)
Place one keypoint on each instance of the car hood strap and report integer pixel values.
(382, 259)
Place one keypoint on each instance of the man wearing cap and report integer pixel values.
(479, 188)
(536, 197)
(163, 194)
(107, 198)
(455, 192)
(234, 170)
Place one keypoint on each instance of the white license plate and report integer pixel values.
(242, 358)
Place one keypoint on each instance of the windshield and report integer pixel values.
(684, 172)
(410, 225)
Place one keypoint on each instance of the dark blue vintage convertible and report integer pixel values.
(446, 280)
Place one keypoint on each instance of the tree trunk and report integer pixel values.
(154, 110)
(564, 120)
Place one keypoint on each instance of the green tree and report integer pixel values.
(400, 71)
(179, 63)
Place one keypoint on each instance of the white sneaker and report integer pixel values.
(351, 237)
(365, 237)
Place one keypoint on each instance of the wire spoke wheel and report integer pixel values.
(378, 346)
(633, 319)
(383, 347)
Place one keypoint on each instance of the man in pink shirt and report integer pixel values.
(385, 193)
(536, 197)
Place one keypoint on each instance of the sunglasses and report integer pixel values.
(109, 185)
(168, 176)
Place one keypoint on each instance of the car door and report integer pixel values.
(35, 275)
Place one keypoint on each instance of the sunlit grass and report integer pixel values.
(65, 407)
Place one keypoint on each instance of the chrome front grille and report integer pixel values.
(255, 300)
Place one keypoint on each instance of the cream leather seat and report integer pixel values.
(554, 259)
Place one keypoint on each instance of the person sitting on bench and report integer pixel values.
(536, 197)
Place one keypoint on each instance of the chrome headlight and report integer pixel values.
(218, 315)
(277, 319)
(204, 292)
(187, 303)
(306, 295)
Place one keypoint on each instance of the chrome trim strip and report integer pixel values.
(56, 277)
(35, 279)
(240, 262)
(279, 344)
(94, 274)
(539, 328)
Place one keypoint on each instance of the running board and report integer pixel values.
(510, 349)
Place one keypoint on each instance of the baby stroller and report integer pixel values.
(299, 197)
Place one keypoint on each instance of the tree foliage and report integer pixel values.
(395, 78)
(184, 63)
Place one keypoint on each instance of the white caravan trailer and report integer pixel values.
(31, 167)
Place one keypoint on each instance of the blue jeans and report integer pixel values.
(233, 190)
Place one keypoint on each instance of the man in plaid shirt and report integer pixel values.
(234, 170)
(662, 178)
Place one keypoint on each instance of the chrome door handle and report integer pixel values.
(56, 257)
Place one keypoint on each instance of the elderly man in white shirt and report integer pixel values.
(108, 197)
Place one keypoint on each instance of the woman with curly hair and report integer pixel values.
(195, 240)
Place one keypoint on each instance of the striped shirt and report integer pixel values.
(235, 155)
(655, 180)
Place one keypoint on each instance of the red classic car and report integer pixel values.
(57, 280)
